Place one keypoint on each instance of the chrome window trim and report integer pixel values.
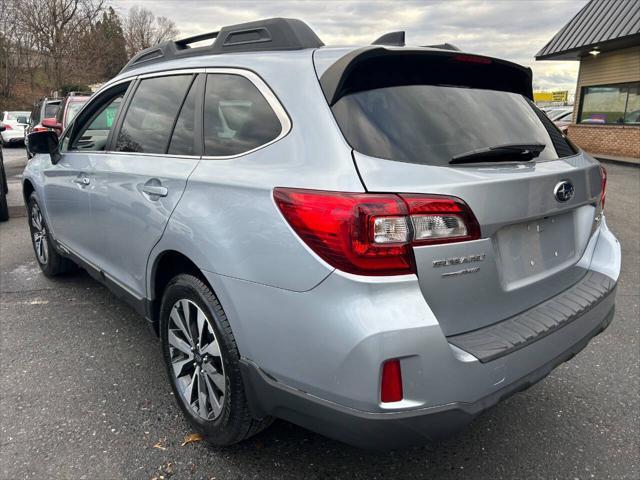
(263, 88)
(168, 73)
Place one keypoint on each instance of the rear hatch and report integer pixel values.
(428, 127)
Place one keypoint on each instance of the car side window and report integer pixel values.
(237, 118)
(150, 116)
(182, 139)
(93, 134)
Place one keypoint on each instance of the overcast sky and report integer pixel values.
(511, 29)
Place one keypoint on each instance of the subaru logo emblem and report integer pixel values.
(563, 191)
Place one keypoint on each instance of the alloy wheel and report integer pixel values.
(196, 360)
(39, 233)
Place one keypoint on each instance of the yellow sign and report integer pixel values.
(559, 96)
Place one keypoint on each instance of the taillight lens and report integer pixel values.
(370, 233)
(8, 127)
(440, 219)
(603, 191)
(391, 383)
(40, 129)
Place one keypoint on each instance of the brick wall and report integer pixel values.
(616, 140)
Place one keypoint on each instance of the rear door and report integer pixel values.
(533, 233)
(139, 181)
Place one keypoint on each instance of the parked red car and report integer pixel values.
(69, 107)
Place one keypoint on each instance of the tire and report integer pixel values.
(50, 261)
(228, 420)
(4, 207)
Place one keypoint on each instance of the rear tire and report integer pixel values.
(202, 362)
(50, 261)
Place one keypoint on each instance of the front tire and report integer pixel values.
(202, 362)
(50, 261)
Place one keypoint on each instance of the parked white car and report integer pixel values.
(15, 123)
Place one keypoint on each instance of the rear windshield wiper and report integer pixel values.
(515, 152)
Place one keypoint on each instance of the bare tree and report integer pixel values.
(57, 26)
(142, 30)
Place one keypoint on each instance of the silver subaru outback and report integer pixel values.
(375, 243)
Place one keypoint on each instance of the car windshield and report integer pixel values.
(431, 124)
(72, 109)
(13, 116)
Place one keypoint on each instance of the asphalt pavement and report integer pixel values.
(84, 393)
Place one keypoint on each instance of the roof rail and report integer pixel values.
(263, 35)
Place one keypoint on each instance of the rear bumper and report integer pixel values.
(378, 430)
(314, 357)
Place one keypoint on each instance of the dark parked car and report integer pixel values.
(4, 189)
(45, 108)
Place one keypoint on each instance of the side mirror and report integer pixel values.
(51, 123)
(22, 119)
(45, 142)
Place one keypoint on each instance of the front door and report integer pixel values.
(68, 185)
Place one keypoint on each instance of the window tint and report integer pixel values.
(93, 136)
(182, 141)
(431, 124)
(149, 119)
(237, 118)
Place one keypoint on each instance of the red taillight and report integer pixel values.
(7, 127)
(370, 233)
(391, 384)
(603, 180)
(40, 129)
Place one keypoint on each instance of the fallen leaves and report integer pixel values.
(191, 438)
(159, 446)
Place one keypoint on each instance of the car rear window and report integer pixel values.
(430, 124)
(51, 109)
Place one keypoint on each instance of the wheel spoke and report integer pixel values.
(201, 320)
(180, 344)
(180, 367)
(212, 349)
(179, 322)
(202, 396)
(216, 407)
(188, 393)
(216, 377)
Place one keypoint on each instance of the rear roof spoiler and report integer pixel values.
(378, 67)
(264, 35)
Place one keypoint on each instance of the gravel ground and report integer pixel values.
(84, 394)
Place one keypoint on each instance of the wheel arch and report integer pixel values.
(166, 265)
(27, 189)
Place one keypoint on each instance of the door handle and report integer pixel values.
(154, 189)
(84, 181)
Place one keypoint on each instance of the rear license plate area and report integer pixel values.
(535, 248)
